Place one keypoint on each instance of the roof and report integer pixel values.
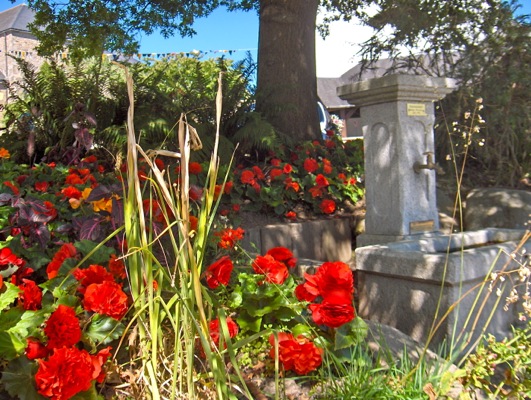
(326, 87)
(326, 90)
(16, 18)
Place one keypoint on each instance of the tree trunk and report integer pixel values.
(287, 83)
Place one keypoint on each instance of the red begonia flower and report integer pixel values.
(310, 165)
(92, 274)
(62, 328)
(328, 206)
(214, 329)
(219, 272)
(106, 298)
(284, 255)
(297, 354)
(274, 271)
(195, 168)
(65, 373)
(35, 349)
(31, 295)
(331, 314)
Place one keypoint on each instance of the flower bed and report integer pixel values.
(66, 300)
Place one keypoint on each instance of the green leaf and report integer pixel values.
(65, 298)
(350, 334)
(90, 394)
(302, 329)
(9, 296)
(18, 379)
(280, 209)
(11, 346)
(236, 298)
(103, 329)
(29, 321)
(10, 318)
(101, 256)
(247, 322)
(61, 282)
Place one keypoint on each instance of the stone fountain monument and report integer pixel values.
(409, 273)
(397, 117)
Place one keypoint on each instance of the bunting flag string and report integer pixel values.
(193, 53)
(142, 56)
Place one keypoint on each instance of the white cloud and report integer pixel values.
(337, 53)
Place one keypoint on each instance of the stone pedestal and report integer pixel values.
(397, 116)
(411, 284)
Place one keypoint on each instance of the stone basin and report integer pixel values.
(400, 283)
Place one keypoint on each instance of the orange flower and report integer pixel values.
(102, 205)
(4, 153)
(290, 184)
(229, 237)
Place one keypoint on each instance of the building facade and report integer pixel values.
(16, 41)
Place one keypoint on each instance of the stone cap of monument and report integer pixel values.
(396, 87)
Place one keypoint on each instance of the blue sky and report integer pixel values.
(237, 32)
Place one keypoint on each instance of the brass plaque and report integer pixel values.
(421, 226)
(416, 109)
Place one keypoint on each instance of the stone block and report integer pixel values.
(402, 283)
(274, 236)
(498, 208)
(320, 240)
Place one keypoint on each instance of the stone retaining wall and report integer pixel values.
(320, 240)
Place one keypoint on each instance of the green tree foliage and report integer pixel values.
(495, 70)
(48, 109)
(171, 86)
(50, 112)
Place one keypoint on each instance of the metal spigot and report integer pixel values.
(429, 164)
